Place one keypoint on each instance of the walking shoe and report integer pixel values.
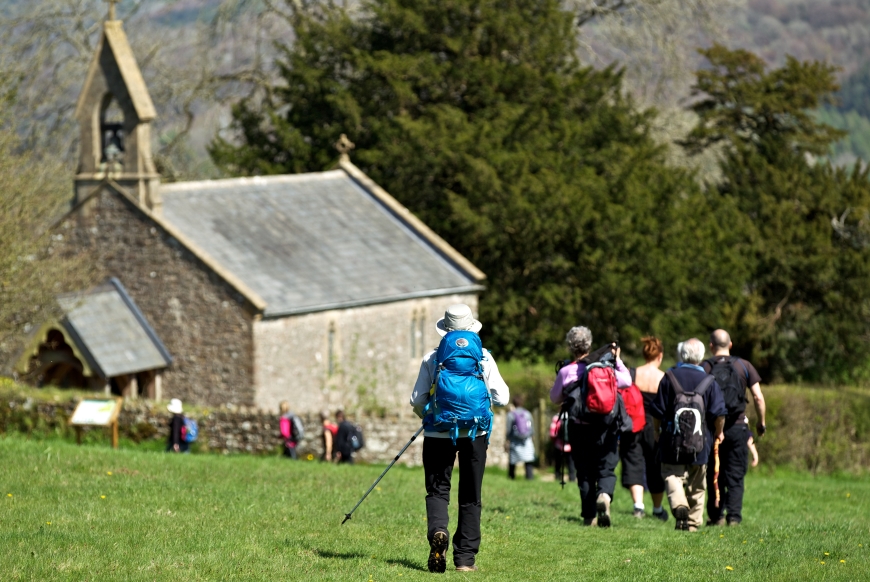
(471, 568)
(437, 547)
(681, 515)
(691, 528)
(662, 515)
(733, 522)
(590, 522)
(720, 521)
(602, 505)
(639, 513)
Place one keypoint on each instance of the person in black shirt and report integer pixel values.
(176, 443)
(734, 450)
(342, 448)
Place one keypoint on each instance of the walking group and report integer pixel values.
(682, 433)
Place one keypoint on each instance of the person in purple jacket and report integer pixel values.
(594, 447)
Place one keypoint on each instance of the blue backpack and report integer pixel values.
(459, 398)
(191, 430)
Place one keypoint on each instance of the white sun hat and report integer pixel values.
(457, 317)
(174, 406)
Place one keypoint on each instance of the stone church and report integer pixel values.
(320, 288)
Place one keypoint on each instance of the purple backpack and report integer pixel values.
(522, 427)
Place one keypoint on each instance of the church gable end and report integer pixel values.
(205, 323)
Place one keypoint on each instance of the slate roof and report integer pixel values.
(310, 242)
(111, 331)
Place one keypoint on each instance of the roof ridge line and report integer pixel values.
(411, 221)
(229, 182)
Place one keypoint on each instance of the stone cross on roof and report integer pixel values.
(344, 146)
(112, 9)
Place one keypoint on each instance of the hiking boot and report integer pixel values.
(662, 515)
(602, 505)
(437, 547)
(691, 528)
(681, 515)
(639, 513)
(471, 568)
(720, 521)
(590, 521)
(733, 522)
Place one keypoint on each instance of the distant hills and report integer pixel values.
(836, 31)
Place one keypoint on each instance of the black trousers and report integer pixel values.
(596, 454)
(733, 459)
(290, 451)
(530, 471)
(640, 464)
(438, 458)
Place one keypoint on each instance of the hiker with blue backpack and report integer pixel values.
(182, 430)
(688, 416)
(587, 388)
(456, 388)
(520, 442)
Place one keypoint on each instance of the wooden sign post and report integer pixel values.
(95, 412)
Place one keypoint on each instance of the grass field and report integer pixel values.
(90, 513)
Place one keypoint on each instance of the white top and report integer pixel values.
(498, 390)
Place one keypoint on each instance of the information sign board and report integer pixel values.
(93, 412)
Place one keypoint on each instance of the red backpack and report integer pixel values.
(633, 400)
(600, 388)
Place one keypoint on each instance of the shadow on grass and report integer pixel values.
(338, 555)
(406, 564)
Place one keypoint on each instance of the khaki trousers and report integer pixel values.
(685, 486)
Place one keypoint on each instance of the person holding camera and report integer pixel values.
(734, 375)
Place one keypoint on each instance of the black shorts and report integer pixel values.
(638, 452)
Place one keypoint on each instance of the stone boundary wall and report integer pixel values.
(238, 429)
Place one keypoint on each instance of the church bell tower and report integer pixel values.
(114, 112)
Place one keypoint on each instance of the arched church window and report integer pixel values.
(111, 131)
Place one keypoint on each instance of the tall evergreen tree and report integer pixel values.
(477, 115)
(806, 308)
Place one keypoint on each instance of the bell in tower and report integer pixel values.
(111, 136)
(114, 112)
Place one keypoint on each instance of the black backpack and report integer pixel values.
(728, 377)
(687, 427)
(357, 441)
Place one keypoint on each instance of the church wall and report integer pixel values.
(201, 320)
(375, 356)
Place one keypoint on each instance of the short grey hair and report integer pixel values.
(692, 351)
(579, 340)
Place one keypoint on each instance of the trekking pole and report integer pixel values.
(716, 471)
(347, 516)
(564, 441)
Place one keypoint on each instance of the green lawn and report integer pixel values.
(208, 517)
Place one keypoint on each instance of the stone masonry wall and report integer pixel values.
(239, 429)
(375, 352)
(201, 319)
